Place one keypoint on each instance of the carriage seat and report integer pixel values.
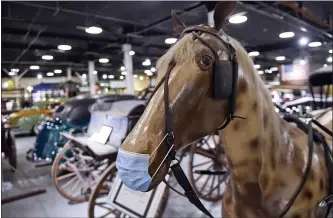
(97, 148)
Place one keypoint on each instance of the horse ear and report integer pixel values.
(178, 25)
(222, 10)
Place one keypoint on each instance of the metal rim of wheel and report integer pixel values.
(99, 196)
(73, 179)
(214, 185)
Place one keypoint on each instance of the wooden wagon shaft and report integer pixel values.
(21, 196)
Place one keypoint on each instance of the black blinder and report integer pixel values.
(222, 79)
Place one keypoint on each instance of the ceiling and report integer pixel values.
(33, 29)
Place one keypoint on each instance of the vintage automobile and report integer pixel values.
(26, 120)
(72, 116)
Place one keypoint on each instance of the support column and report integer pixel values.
(128, 62)
(91, 76)
(69, 73)
(210, 18)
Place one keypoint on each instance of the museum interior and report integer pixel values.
(166, 109)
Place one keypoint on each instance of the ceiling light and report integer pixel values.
(257, 66)
(132, 53)
(39, 76)
(268, 71)
(260, 72)
(95, 72)
(122, 68)
(15, 70)
(103, 60)
(280, 58)
(123, 73)
(104, 76)
(170, 40)
(274, 68)
(141, 77)
(34, 67)
(111, 76)
(147, 71)
(330, 51)
(303, 29)
(47, 57)
(153, 69)
(94, 30)
(135, 76)
(146, 62)
(286, 35)
(303, 41)
(49, 74)
(121, 77)
(314, 44)
(237, 19)
(11, 73)
(58, 71)
(84, 75)
(329, 59)
(64, 47)
(253, 53)
(325, 65)
(302, 62)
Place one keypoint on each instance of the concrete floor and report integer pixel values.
(52, 204)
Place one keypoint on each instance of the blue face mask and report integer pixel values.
(133, 170)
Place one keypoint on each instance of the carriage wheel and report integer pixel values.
(75, 174)
(98, 202)
(207, 168)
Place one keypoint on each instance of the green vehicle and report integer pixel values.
(27, 120)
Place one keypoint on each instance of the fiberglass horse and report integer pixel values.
(267, 155)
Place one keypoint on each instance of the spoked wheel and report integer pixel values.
(207, 168)
(99, 207)
(75, 174)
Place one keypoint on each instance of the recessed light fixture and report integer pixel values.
(11, 73)
(325, 65)
(132, 53)
(303, 41)
(47, 57)
(260, 72)
(122, 68)
(286, 35)
(141, 77)
(49, 74)
(254, 53)
(170, 41)
(257, 66)
(34, 67)
(103, 60)
(268, 71)
(274, 68)
(94, 30)
(314, 44)
(39, 76)
(124, 73)
(104, 76)
(303, 29)
(135, 76)
(153, 69)
(15, 70)
(121, 77)
(95, 72)
(236, 19)
(64, 47)
(329, 59)
(280, 58)
(148, 72)
(146, 62)
(58, 71)
(330, 51)
(111, 76)
(84, 75)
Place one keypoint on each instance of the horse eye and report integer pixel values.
(206, 60)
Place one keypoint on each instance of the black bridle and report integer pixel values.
(169, 137)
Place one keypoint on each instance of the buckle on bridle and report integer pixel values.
(170, 138)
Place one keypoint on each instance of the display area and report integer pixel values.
(167, 109)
